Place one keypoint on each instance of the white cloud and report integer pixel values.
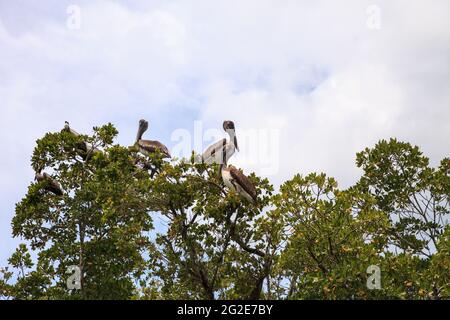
(365, 84)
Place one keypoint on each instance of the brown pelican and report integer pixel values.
(147, 147)
(235, 180)
(50, 185)
(86, 148)
(214, 153)
(69, 129)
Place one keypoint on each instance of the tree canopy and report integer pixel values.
(176, 232)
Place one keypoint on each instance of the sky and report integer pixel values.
(307, 83)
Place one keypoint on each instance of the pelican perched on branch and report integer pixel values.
(222, 150)
(69, 129)
(86, 148)
(147, 147)
(235, 180)
(50, 185)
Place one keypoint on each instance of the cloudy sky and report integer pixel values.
(308, 83)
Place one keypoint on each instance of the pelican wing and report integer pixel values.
(53, 186)
(50, 184)
(152, 146)
(210, 154)
(243, 181)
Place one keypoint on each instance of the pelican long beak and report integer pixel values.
(140, 131)
(235, 142)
